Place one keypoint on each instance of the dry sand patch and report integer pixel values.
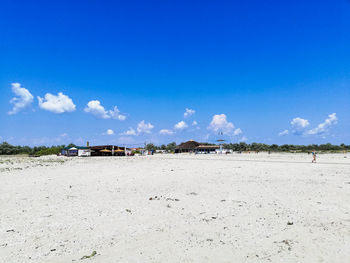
(176, 208)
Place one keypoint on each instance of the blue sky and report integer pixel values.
(257, 71)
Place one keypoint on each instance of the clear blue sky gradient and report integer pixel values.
(262, 63)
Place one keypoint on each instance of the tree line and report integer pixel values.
(169, 147)
(262, 147)
(8, 149)
(328, 147)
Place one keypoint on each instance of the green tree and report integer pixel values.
(150, 146)
(171, 147)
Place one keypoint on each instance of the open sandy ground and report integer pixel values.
(175, 208)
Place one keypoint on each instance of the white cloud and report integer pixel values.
(23, 98)
(166, 132)
(143, 127)
(115, 114)
(180, 125)
(95, 108)
(324, 126)
(189, 112)
(129, 132)
(109, 132)
(59, 103)
(299, 125)
(219, 123)
(237, 131)
(282, 133)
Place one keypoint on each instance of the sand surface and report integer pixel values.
(175, 208)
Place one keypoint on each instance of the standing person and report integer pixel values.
(313, 156)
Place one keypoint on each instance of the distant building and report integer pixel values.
(196, 147)
(76, 151)
(186, 147)
(109, 150)
(207, 149)
(84, 151)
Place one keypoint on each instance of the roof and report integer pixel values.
(109, 147)
(76, 148)
(119, 150)
(101, 147)
(188, 145)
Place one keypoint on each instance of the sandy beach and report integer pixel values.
(175, 208)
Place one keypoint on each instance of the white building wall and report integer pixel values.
(84, 152)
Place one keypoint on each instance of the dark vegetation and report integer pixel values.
(8, 149)
(169, 147)
(286, 147)
(242, 146)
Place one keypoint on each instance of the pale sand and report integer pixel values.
(209, 208)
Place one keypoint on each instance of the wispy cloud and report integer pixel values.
(95, 108)
(144, 127)
(109, 132)
(237, 132)
(180, 125)
(166, 132)
(299, 126)
(189, 112)
(115, 114)
(129, 132)
(283, 133)
(323, 127)
(22, 100)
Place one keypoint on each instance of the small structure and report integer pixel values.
(109, 150)
(84, 151)
(100, 150)
(64, 151)
(204, 149)
(119, 152)
(73, 151)
(220, 141)
(76, 151)
(103, 150)
(196, 147)
(187, 147)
